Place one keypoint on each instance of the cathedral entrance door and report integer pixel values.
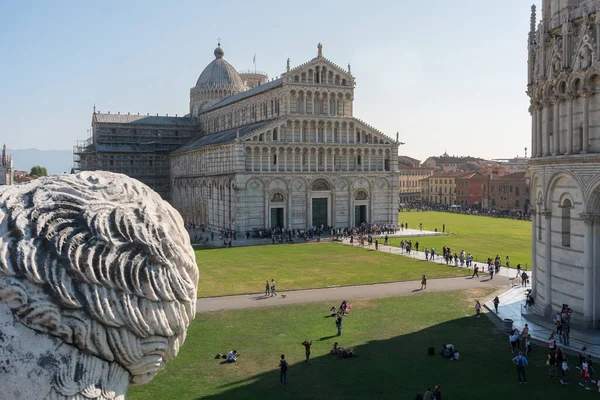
(319, 212)
(360, 214)
(277, 218)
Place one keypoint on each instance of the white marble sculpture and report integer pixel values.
(97, 286)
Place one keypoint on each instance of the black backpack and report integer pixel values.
(284, 365)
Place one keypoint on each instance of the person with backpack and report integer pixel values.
(338, 324)
(283, 367)
(521, 363)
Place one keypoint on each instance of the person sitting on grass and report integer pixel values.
(232, 356)
(343, 307)
(334, 349)
(448, 350)
(332, 312)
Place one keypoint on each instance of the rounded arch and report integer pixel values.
(278, 184)
(566, 200)
(320, 183)
(555, 179)
(361, 194)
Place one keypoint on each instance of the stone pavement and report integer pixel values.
(512, 306)
(337, 294)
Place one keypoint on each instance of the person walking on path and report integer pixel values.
(496, 301)
(521, 363)
(283, 367)
(491, 272)
(423, 282)
(267, 289)
(417, 246)
(477, 307)
(426, 253)
(338, 324)
(507, 262)
(585, 376)
(376, 244)
(475, 272)
(307, 345)
(273, 288)
(385, 243)
(518, 271)
(421, 228)
(524, 279)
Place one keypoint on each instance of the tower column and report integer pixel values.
(556, 129)
(533, 251)
(540, 142)
(548, 263)
(588, 268)
(569, 144)
(586, 123)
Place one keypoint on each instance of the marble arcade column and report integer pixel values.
(548, 109)
(556, 129)
(534, 241)
(533, 133)
(569, 143)
(588, 269)
(540, 142)
(586, 123)
(548, 263)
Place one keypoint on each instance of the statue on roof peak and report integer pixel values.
(320, 48)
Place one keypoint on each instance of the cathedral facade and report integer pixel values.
(285, 153)
(564, 89)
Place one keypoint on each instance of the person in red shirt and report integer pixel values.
(307, 345)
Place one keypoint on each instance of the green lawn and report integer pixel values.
(483, 237)
(244, 270)
(390, 336)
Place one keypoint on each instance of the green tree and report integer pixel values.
(39, 171)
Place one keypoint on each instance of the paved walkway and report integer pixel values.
(337, 294)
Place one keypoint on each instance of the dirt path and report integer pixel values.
(337, 294)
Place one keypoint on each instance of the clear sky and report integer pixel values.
(448, 75)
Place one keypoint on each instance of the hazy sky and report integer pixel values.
(448, 75)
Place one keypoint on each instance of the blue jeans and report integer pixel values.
(273, 291)
(283, 377)
(339, 329)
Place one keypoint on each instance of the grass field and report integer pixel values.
(390, 336)
(302, 266)
(483, 237)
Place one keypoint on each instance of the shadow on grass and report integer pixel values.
(400, 367)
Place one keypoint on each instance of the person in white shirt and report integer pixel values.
(232, 356)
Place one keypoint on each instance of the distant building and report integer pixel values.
(517, 164)
(449, 163)
(440, 188)
(509, 192)
(6, 168)
(410, 174)
(18, 174)
(470, 189)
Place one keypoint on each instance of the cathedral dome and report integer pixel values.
(220, 74)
